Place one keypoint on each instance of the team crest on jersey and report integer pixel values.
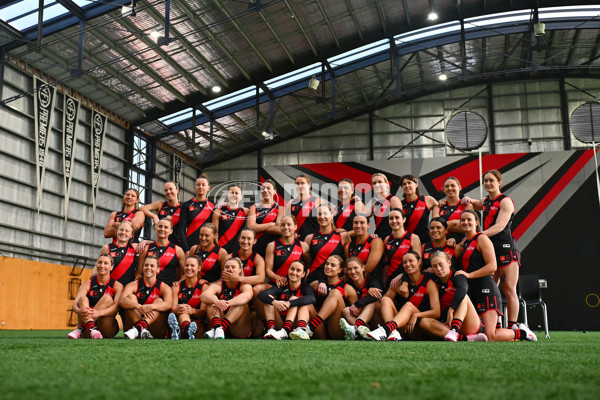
(279, 252)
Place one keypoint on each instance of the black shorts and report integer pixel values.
(506, 253)
(485, 296)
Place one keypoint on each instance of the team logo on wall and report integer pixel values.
(98, 128)
(43, 110)
(70, 125)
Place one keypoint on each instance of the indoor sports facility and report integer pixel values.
(163, 163)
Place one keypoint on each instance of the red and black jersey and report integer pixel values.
(122, 216)
(167, 260)
(231, 224)
(174, 212)
(305, 213)
(194, 214)
(428, 250)
(211, 267)
(97, 290)
(395, 249)
(126, 262)
(381, 212)
(284, 255)
(417, 217)
(491, 209)
(228, 293)
(190, 295)
(340, 286)
(452, 213)
(364, 298)
(452, 292)
(264, 215)
(360, 250)
(304, 295)
(147, 294)
(248, 264)
(471, 260)
(343, 215)
(417, 293)
(322, 246)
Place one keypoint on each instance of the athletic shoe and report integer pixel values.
(209, 334)
(530, 335)
(192, 328)
(95, 334)
(363, 331)
(479, 337)
(280, 335)
(301, 334)
(378, 334)
(146, 334)
(75, 334)
(270, 334)
(219, 333)
(451, 336)
(174, 326)
(132, 333)
(394, 336)
(349, 330)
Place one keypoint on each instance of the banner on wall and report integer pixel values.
(98, 129)
(70, 125)
(176, 170)
(43, 103)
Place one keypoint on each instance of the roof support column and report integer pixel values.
(40, 23)
(164, 41)
(371, 141)
(77, 72)
(490, 110)
(564, 113)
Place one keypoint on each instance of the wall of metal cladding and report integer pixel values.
(44, 235)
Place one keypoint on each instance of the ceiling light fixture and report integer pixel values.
(443, 77)
(313, 83)
(216, 89)
(154, 34)
(432, 16)
(265, 133)
(539, 29)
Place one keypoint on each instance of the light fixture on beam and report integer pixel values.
(155, 34)
(432, 16)
(442, 77)
(539, 28)
(313, 83)
(216, 89)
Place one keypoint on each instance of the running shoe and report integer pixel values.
(219, 333)
(75, 334)
(378, 334)
(530, 335)
(132, 333)
(95, 334)
(269, 334)
(394, 336)
(174, 326)
(209, 334)
(349, 330)
(146, 334)
(280, 335)
(451, 336)
(478, 337)
(192, 328)
(363, 331)
(301, 334)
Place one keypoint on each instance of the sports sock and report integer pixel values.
(314, 324)
(390, 327)
(225, 324)
(359, 322)
(456, 324)
(90, 325)
(215, 322)
(301, 324)
(510, 324)
(270, 324)
(287, 326)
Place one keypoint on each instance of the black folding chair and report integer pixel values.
(532, 294)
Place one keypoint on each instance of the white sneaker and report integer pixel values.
(530, 335)
(280, 335)
(209, 334)
(75, 334)
(270, 333)
(301, 334)
(363, 331)
(394, 336)
(451, 336)
(146, 334)
(132, 333)
(95, 334)
(173, 326)
(219, 333)
(192, 328)
(478, 337)
(378, 334)
(349, 330)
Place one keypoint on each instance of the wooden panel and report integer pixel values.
(11, 287)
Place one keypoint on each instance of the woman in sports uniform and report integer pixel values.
(227, 305)
(97, 303)
(396, 245)
(230, 219)
(357, 316)
(124, 254)
(337, 295)
(478, 262)
(187, 308)
(323, 244)
(451, 208)
(253, 265)
(264, 218)
(170, 208)
(382, 203)
(347, 207)
(417, 208)
(405, 313)
(212, 256)
(304, 208)
(171, 257)
(146, 303)
(194, 213)
(498, 213)
(459, 320)
(438, 229)
(367, 248)
(292, 303)
(129, 212)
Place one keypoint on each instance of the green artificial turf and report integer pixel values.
(45, 365)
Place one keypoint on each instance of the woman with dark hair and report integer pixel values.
(187, 307)
(97, 303)
(230, 219)
(212, 256)
(382, 203)
(170, 208)
(417, 208)
(347, 207)
(367, 248)
(253, 265)
(264, 217)
(438, 229)
(451, 208)
(129, 212)
(194, 214)
(396, 245)
(304, 208)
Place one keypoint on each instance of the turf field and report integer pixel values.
(45, 365)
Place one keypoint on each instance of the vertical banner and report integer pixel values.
(43, 104)
(98, 128)
(70, 124)
(176, 170)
